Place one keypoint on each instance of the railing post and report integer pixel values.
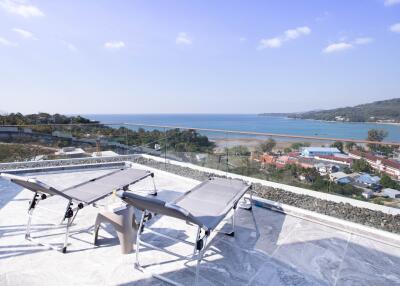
(165, 149)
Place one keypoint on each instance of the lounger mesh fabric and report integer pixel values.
(91, 191)
(87, 192)
(210, 201)
(206, 205)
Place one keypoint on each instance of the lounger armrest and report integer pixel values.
(11, 176)
(178, 208)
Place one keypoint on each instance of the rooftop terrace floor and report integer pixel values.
(269, 248)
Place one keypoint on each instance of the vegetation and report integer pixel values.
(238, 150)
(178, 140)
(296, 146)
(378, 135)
(385, 110)
(20, 152)
(338, 145)
(388, 182)
(267, 146)
(41, 118)
(361, 165)
(350, 146)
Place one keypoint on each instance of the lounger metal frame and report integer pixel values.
(70, 211)
(199, 245)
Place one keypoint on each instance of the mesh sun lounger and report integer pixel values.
(205, 206)
(83, 194)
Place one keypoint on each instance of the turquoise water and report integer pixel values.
(255, 123)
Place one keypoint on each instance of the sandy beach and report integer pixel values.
(252, 143)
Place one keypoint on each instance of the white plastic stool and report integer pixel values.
(124, 224)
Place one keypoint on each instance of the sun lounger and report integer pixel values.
(205, 206)
(83, 194)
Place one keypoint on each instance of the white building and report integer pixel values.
(104, 154)
(319, 151)
(368, 194)
(71, 152)
(391, 193)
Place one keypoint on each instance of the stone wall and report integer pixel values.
(343, 211)
(65, 162)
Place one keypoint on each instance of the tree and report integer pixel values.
(388, 182)
(361, 166)
(238, 150)
(350, 145)
(267, 146)
(346, 170)
(298, 145)
(338, 145)
(287, 150)
(376, 135)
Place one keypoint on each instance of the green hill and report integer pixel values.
(378, 111)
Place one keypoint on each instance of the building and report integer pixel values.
(368, 194)
(71, 152)
(337, 158)
(388, 166)
(391, 193)
(340, 178)
(319, 151)
(268, 159)
(104, 154)
(8, 129)
(367, 180)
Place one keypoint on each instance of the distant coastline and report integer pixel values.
(378, 112)
(331, 121)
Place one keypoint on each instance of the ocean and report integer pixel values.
(255, 123)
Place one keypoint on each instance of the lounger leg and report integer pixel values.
(154, 193)
(139, 232)
(69, 215)
(31, 209)
(199, 258)
(195, 242)
(64, 249)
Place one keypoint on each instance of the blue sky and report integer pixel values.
(197, 56)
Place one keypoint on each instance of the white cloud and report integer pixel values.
(288, 35)
(242, 39)
(5, 42)
(270, 43)
(21, 8)
(395, 28)
(114, 45)
(337, 47)
(25, 34)
(295, 33)
(344, 45)
(391, 2)
(183, 39)
(363, 41)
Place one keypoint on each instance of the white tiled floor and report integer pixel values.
(269, 248)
